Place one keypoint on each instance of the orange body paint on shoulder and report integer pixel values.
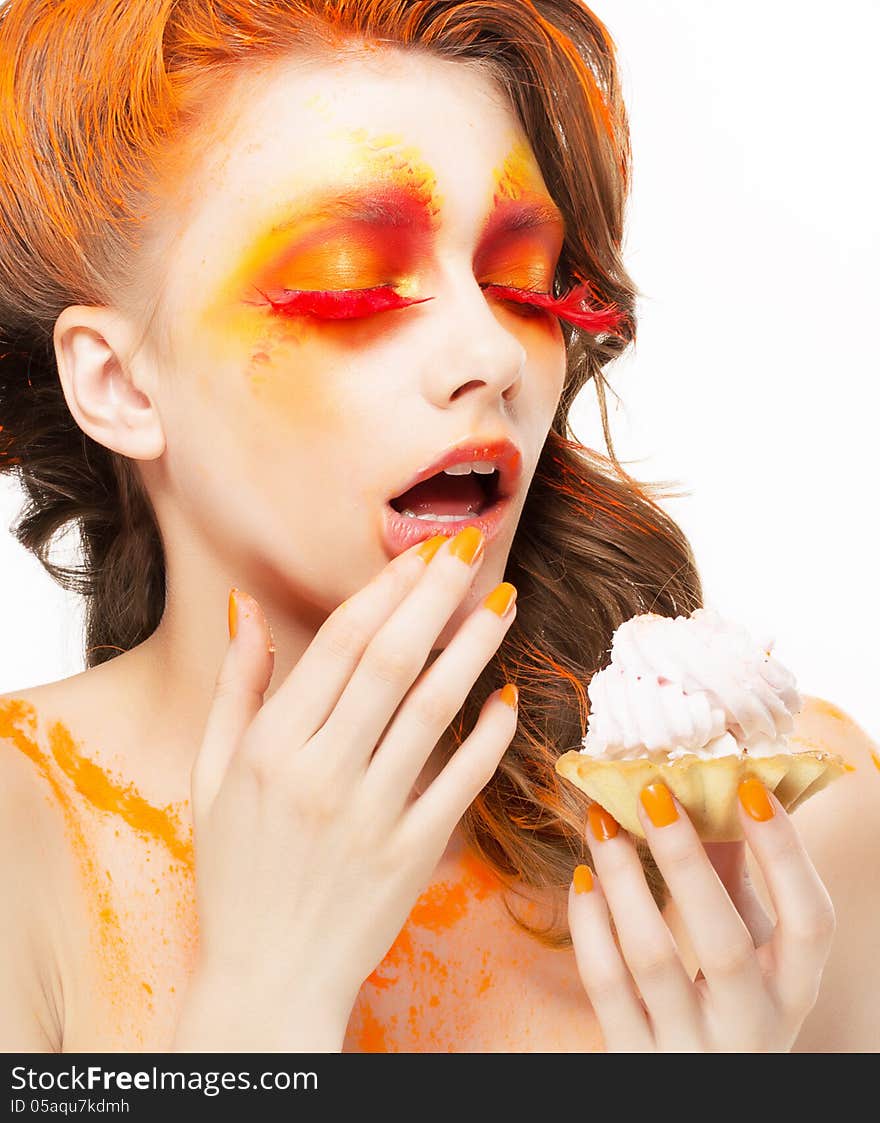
(79, 788)
(105, 794)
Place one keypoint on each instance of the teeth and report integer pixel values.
(481, 467)
(438, 518)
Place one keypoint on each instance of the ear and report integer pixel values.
(109, 400)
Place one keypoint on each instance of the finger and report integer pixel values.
(646, 942)
(436, 698)
(398, 652)
(717, 933)
(805, 921)
(729, 861)
(605, 976)
(241, 684)
(308, 695)
(439, 808)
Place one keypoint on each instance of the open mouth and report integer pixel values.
(444, 497)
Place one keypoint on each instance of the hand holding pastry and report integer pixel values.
(694, 703)
(759, 981)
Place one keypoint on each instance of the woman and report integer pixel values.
(265, 268)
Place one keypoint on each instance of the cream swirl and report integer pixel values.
(689, 684)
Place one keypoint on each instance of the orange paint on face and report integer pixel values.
(518, 175)
(876, 759)
(524, 235)
(333, 238)
(324, 244)
(398, 162)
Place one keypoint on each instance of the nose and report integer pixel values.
(476, 354)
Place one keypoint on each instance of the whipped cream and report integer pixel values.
(694, 684)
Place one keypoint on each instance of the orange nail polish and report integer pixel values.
(657, 801)
(233, 613)
(501, 599)
(430, 547)
(603, 825)
(467, 544)
(753, 796)
(510, 695)
(583, 879)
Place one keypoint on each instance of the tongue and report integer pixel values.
(443, 495)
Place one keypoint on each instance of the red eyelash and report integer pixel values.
(350, 304)
(573, 307)
(343, 304)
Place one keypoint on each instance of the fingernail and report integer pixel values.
(583, 879)
(467, 544)
(509, 695)
(657, 801)
(501, 599)
(430, 547)
(603, 825)
(233, 613)
(753, 796)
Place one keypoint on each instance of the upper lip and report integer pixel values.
(505, 454)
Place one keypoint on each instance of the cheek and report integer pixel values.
(545, 347)
(289, 388)
(282, 378)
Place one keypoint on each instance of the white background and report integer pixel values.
(753, 232)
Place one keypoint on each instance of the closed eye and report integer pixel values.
(338, 304)
(350, 304)
(525, 302)
(577, 306)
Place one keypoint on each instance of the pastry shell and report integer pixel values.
(706, 787)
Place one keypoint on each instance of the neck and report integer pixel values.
(166, 684)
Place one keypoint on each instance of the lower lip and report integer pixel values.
(402, 531)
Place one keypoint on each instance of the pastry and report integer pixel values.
(695, 702)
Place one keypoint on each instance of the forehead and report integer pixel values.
(439, 130)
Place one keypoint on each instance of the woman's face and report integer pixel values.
(287, 433)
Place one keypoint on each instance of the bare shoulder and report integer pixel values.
(33, 864)
(850, 804)
(821, 724)
(39, 862)
(840, 828)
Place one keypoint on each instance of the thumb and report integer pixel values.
(241, 684)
